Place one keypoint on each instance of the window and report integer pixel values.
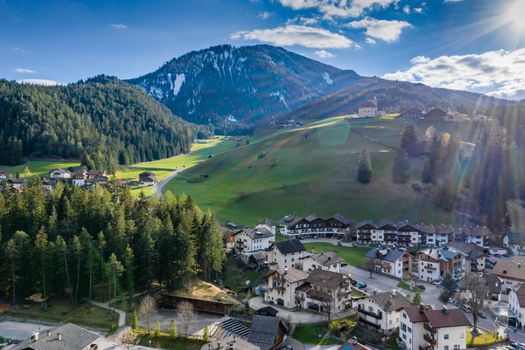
(456, 347)
(404, 315)
(445, 336)
(371, 309)
(403, 327)
(409, 330)
(446, 347)
(462, 335)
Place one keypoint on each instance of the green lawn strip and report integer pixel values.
(406, 286)
(236, 274)
(485, 338)
(61, 312)
(354, 256)
(166, 341)
(316, 334)
(39, 168)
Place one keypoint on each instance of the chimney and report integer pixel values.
(48, 332)
(35, 336)
(444, 309)
(59, 336)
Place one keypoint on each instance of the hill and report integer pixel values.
(311, 170)
(102, 120)
(237, 86)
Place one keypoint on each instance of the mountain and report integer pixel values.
(241, 85)
(104, 120)
(395, 96)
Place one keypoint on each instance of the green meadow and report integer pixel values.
(312, 169)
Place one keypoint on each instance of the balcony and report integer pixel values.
(370, 313)
(429, 339)
(429, 328)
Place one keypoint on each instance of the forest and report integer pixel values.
(70, 243)
(102, 121)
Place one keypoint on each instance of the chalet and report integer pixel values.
(479, 235)
(412, 113)
(474, 255)
(517, 304)
(386, 233)
(17, 183)
(382, 310)
(282, 284)
(392, 262)
(147, 178)
(253, 239)
(48, 185)
(267, 311)
(79, 179)
(422, 328)
(407, 235)
(266, 332)
(428, 234)
(93, 173)
(101, 179)
(368, 110)
(60, 173)
(328, 261)
(232, 226)
(268, 224)
(65, 337)
(77, 168)
(228, 239)
(325, 291)
(435, 115)
(285, 254)
(4, 176)
(511, 273)
(435, 263)
(364, 230)
(315, 226)
(445, 234)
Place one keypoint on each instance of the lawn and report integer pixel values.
(37, 167)
(354, 256)
(316, 334)
(60, 311)
(485, 338)
(236, 274)
(165, 341)
(312, 169)
(406, 286)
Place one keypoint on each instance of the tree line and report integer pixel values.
(102, 121)
(75, 243)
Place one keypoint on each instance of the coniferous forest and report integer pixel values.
(102, 121)
(70, 242)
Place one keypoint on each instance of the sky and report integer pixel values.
(475, 45)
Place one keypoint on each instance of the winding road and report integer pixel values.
(158, 187)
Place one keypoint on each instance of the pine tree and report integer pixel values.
(364, 172)
(400, 168)
(409, 140)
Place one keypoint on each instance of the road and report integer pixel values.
(158, 187)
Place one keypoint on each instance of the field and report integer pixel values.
(236, 274)
(354, 256)
(37, 167)
(315, 334)
(310, 170)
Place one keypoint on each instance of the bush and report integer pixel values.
(444, 296)
(342, 324)
(134, 320)
(261, 155)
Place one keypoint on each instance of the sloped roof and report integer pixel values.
(444, 228)
(256, 233)
(444, 253)
(311, 217)
(291, 275)
(365, 223)
(328, 258)
(448, 318)
(343, 219)
(264, 331)
(290, 246)
(416, 313)
(436, 113)
(509, 270)
(324, 278)
(429, 229)
(472, 250)
(392, 255)
(72, 338)
(390, 301)
(520, 292)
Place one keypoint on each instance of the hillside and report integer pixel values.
(311, 170)
(237, 86)
(102, 120)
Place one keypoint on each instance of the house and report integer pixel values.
(435, 115)
(477, 234)
(282, 284)
(48, 184)
(412, 113)
(17, 183)
(328, 261)
(474, 255)
(386, 230)
(268, 224)
(517, 304)
(285, 254)
(77, 168)
(445, 234)
(422, 328)
(256, 260)
(59, 173)
(78, 179)
(228, 239)
(392, 262)
(511, 273)
(93, 173)
(368, 109)
(435, 263)
(493, 286)
(4, 176)
(267, 311)
(147, 178)
(364, 230)
(515, 242)
(65, 337)
(253, 239)
(314, 226)
(407, 235)
(266, 332)
(428, 234)
(382, 310)
(325, 291)
(232, 226)
(101, 179)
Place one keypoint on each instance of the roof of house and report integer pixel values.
(328, 258)
(342, 218)
(436, 112)
(443, 253)
(429, 229)
(267, 310)
(311, 217)
(291, 275)
(72, 338)
(327, 279)
(264, 331)
(444, 228)
(390, 301)
(386, 254)
(509, 270)
(416, 313)
(365, 223)
(411, 112)
(368, 104)
(472, 250)
(476, 231)
(256, 233)
(520, 293)
(493, 283)
(384, 223)
(437, 318)
(290, 246)
(513, 237)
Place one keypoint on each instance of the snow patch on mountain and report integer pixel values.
(177, 84)
(327, 78)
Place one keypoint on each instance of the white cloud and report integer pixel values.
(338, 8)
(43, 82)
(25, 70)
(17, 49)
(388, 31)
(303, 20)
(496, 73)
(119, 26)
(370, 41)
(418, 9)
(290, 35)
(323, 54)
(264, 15)
(406, 9)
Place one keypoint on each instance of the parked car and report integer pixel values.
(420, 286)
(361, 285)
(465, 308)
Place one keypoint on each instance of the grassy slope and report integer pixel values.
(353, 256)
(37, 167)
(315, 172)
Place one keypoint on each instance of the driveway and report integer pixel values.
(20, 330)
(296, 317)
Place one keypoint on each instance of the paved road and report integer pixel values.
(296, 317)
(158, 187)
(20, 330)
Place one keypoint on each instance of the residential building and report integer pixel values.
(474, 255)
(435, 263)
(325, 291)
(517, 304)
(493, 286)
(147, 178)
(511, 273)
(328, 261)
(368, 109)
(17, 183)
(422, 328)
(435, 115)
(394, 262)
(445, 234)
(65, 337)
(428, 234)
(285, 254)
(412, 113)
(268, 224)
(388, 231)
(382, 310)
(479, 235)
(253, 239)
(314, 226)
(59, 173)
(364, 231)
(4, 176)
(282, 284)
(78, 179)
(266, 332)
(407, 235)
(515, 242)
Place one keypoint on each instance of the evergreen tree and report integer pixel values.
(409, 140)
(364, 171)
(400, 168)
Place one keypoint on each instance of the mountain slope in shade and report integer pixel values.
(241, 85)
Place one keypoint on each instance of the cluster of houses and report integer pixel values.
(79, 176)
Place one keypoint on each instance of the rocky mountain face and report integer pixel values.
(226, 84)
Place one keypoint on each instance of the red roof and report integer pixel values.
(437, 318)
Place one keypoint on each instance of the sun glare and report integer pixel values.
(516, 14)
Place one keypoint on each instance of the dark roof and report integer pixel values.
(267, 310)
(253, 233)
(520, 292)
(426, 228)
(264, 330)
(514, 237)
(411, 112)
(368, 104)
(444, 228)
(290, 246)
(329, 279)
(493, 283)
(480, 231)
(391, 254)
(343, 219)
(436, 113)
(416, 313)
(328, 258)
(385, 223)
(311, 217)
(390, 301)
(447, 318)
(473, 251)
(365, 223)
(73, 338)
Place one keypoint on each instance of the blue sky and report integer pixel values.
(476, 45)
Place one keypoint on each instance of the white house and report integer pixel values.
(282, 284)
(517, 304)
(382, 310)
(477, 234)
(250, 240)
(60, 173)
(515, 242)
(79, 179)
(422, 328)
(285, 254)
(3, 176)
(435, 263)
(474, 255)
(394, 262)
(328, 261)
(368, 110)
